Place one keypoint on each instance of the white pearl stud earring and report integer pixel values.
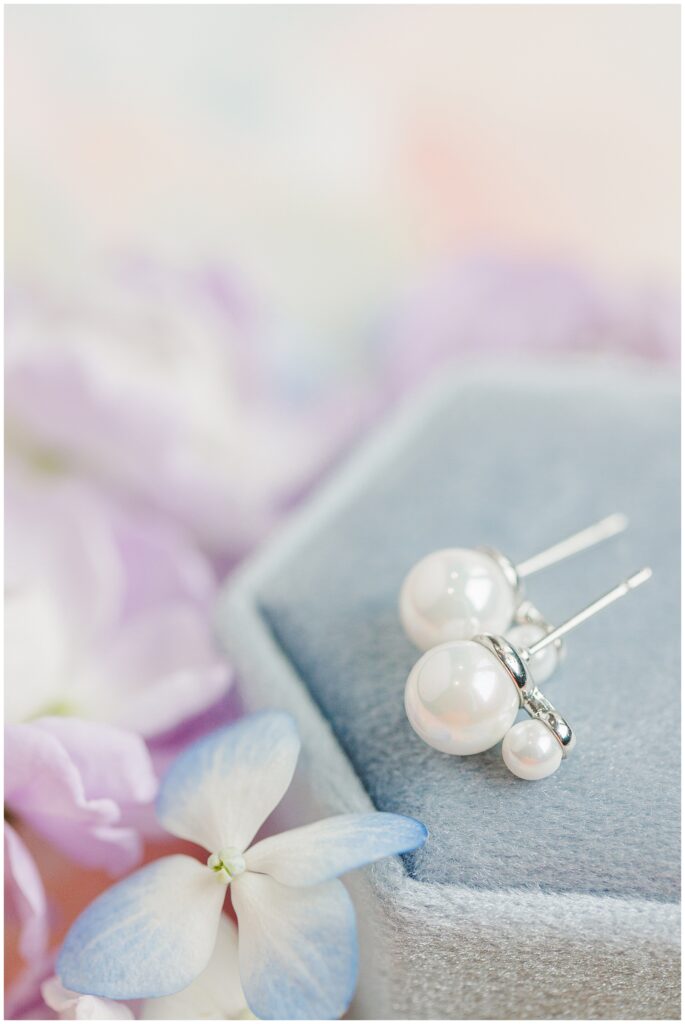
(463, 696)
(456, 593)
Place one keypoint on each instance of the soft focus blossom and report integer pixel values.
(488, 306)
(154, 933)
(25, 898)
(169, 389)
(23, 999)
(176, 390)
(72, 783)
(216, 994)
(106, 640)
(106, 611)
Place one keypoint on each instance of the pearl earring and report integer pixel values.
(456, 593)
(463, 696)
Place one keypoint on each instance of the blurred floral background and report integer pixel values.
(236, 237)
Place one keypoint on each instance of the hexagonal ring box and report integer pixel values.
(543, 899)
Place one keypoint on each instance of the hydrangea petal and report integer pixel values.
(162, 668)
(34, 672)
(120, 598)
(44, 788)
(162, 562)
(221, 789)
(215, 995)
(298, 948)
(25, 889)
(76, 558)
(112, 762)
(73, 1006)
(328, 848)
(147, 936)
(23, 1000)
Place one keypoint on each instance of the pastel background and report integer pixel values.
(235, 238)
(332, 154)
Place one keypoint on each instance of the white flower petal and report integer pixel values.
(221, 789)
(36, 651)
(150, 935)
(326, 849)
(215, 995)
(73, 1006)
(298, 948)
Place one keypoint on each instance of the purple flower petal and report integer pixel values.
(164, 669)
(26, 895)
(112, 762)
(121, 602)
(71, 798)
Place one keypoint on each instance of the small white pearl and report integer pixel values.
(455, 594)
(460, 699)
(531, 751)
(541, 665)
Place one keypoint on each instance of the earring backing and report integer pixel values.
(456, 593)
(463, 696)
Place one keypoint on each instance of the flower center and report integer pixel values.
(227, 863)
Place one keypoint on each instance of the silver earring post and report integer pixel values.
(586, 538)
(636, 580)
(516, 661)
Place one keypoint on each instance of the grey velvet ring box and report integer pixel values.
(543, 899)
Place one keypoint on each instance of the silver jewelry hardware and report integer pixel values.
(526, 612)
(532, 700)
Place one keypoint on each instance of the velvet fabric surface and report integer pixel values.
(576, 877)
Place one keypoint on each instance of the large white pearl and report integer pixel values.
(455, 594)
(460, 699)
(531, 751)
(541, 665)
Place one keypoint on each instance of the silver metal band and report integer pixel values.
(531, 699)
(526, 613)
(510, 658)
(537, 706)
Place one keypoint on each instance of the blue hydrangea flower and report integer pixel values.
(154, 933)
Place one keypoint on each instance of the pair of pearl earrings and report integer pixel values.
(487, 648)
